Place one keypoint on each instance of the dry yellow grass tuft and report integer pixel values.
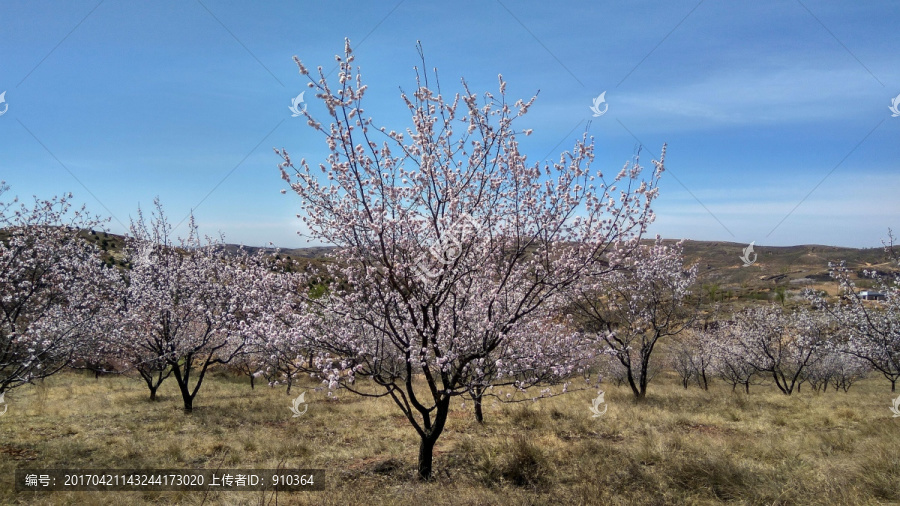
(675, 447)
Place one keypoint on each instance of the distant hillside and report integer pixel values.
(792, 268)
(721, 271)
(788, 268)
(112, 246)
(721, 262)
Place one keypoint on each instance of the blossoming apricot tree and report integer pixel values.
(872, 327)
(53, 288)
(779, 344)
(642, 301)
(448, 239)
(188, 305)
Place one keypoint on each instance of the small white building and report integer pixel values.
(869, 295)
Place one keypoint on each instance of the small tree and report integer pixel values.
(281, 336)
(836, 368)
(779, 344)
(249, 363)
(733, 369)
(712, 291)
(611, 369)
(728, 360)
(539, 351)
(187, 305)
(643, 301)
(781, 294)
(53, 287)
(871, 327)
(847, 370)
(681, 358)
(447, 239)
(703, 360)
(692, 358)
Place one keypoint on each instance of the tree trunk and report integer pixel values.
(426, 456)
(477, 395)
(185, 395)
(153, 378)
(643, 379)
(634, 387)
(252, 382)
(432, 431)
(781, 383)
(183, 378)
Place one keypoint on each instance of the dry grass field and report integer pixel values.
(676, 447)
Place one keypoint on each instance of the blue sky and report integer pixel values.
(776, 114)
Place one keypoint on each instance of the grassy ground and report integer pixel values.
(677, 446)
